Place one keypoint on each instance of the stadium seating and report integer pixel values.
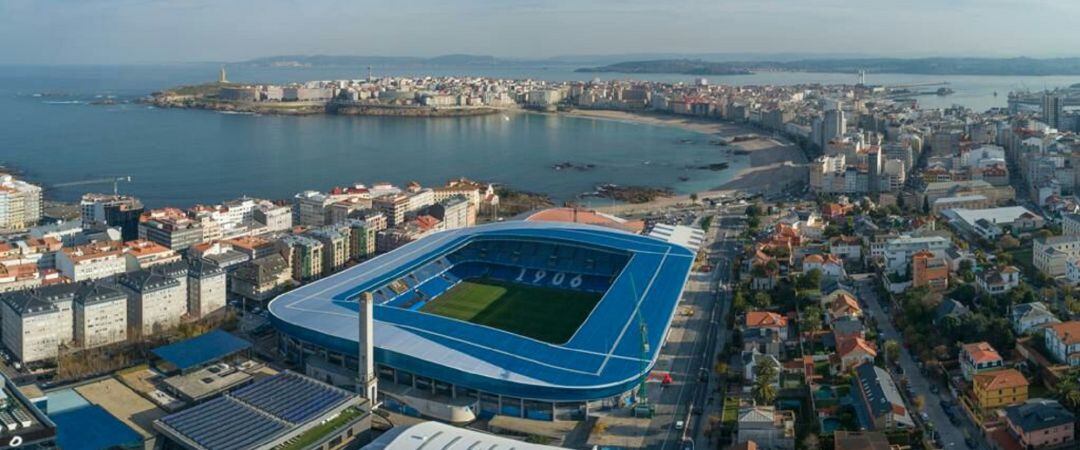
(527, 262)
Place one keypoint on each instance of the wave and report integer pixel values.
(63, 102)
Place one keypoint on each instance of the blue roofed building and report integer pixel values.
(878, 404)
(198, 351)
(638, 281)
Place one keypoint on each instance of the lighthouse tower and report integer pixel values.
(221, 76)
(368, 384)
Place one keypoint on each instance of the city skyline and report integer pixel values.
(150, 31)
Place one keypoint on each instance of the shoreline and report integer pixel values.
(775, 163)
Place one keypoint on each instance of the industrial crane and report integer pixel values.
(114, 180)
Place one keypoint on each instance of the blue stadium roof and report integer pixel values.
(90, 427)
(603, 358)
(201, 350)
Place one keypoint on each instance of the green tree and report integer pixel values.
(811, 319)
(892, 351)
(1067, 390)
(761, 300)
(763, 390)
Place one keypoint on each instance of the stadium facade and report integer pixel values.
(638, 280)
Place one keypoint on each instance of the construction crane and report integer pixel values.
(114, 180)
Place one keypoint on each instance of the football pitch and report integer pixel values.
(545, 314)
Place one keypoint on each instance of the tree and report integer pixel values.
(763, 391)
(1067, 390)
(892, 351)
(811, 319)
(693, 197)
(761, 300)
(1008, 242)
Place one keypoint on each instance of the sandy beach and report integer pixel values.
(774, 162)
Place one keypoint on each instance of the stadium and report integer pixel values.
(530, 319)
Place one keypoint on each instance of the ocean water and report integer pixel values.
(52, 134)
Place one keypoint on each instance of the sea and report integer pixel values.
(53, 133)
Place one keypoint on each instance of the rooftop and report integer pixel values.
(439, 436)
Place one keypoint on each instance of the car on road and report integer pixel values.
(934, 389)
(679, 425)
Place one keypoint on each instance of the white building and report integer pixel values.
(273, 217)
(100, 313)
(155, 302)
(20, 203)
(1051, 254)
(898, 251)
(36, 322)
(91, 261)
(207, 288)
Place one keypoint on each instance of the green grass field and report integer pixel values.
(549, 315)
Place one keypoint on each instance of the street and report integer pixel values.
(951, 436)
(690, 351)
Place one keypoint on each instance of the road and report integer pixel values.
(952, 437)
(690, 351)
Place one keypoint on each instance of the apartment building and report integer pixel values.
(273, 217)
(261, 279)
(91, 261)
(898, 251)
(144, 254)
(170, 227)
(304, 255)
(335, 244)
(36, 322)
(101, 211)
(309, 208)
(253, 246)
(207, 290)
(155, 302)
(20, 204)
(100, 313)
(454, 212)
(929, 271)
(362, 236)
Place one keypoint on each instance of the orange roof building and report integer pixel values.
(999, 388)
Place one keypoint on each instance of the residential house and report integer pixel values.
(1063, 342)
(1028, 317)
(766, 426)
(752, 359)
(860, 440)
(1051, 254)
(877, 401)
(853, 351)
(768, 320)
(843, 306)
(998, 281)
(950, 309)
(847, 247)
(830, 265)
(999, 388)
(978, 357)
(261, 279)
(1041, 423)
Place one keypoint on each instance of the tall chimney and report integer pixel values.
(368, 384)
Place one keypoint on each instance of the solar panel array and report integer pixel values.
(291, 397)
(224, 424)
(258, 413)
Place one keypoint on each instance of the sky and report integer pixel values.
(178, 31)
